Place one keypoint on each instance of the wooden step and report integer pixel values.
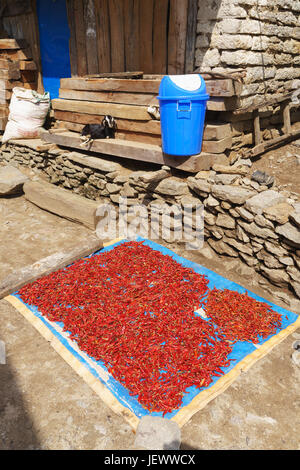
(135, 151)
(217, 87)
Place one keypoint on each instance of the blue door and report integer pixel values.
(54, 43)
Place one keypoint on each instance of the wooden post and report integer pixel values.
(256, 125)
(286, 117)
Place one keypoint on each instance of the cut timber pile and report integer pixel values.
(17, 69)
(86, 100)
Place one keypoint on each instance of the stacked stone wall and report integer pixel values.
(261, 38)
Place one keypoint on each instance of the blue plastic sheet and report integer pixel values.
(240, 350)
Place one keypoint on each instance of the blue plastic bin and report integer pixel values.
(182, 101)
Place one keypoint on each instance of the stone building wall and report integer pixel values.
(243, 219)
(259, 37)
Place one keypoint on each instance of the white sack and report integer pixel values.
(27, 113)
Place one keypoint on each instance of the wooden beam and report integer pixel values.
(136, 151)
(89, 107)
(256, 127)
(13, 44)
(62, 202)
(144, 99)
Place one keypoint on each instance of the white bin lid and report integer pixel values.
(191, 82)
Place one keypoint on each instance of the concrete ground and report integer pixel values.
(44, 404)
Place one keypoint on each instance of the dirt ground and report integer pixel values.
(284, 164)
(45, 405)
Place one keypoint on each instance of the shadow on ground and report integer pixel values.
(17, 431)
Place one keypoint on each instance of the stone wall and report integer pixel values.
(257, 223)
(259, 37)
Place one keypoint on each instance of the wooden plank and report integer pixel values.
(30, 273)
(191, 34)
(7, 64)
(131, 34)
(72, 40)
(4, 111)
(139, 137)
(220, 87)
(287, 128)
(80, 38)
(146, 34)
(117, 42)
(62, 202)
(150, 127)
(90, 107)
(177, 36)
(21, 54)
(160, 44)
(136, 151)
(27, 65)
(3, 122)
(256, 127)
(9, 84)
(13, 44)
(216, 131)
(222, 104)
(103, 36)
(91, 37)
(13, 74)
(216, 146)
(144, 99)
(212, 131)
(111, 84)
(5, 95)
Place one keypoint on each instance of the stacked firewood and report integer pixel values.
(17, 69)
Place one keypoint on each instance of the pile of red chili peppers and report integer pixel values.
(133, 309)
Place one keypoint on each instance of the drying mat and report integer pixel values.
(114, 394)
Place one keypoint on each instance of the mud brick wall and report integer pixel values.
(245, 220)
(260, 37)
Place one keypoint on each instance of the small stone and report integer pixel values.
(269, 260)
(257, 231)
(275, 249)
(225, 221)
(279, 212)
(211, 202)
(222, 248)
(287, 260)
(258, 203)
(233, 169)
(290, 233)
(199, 185)
(232, 194)
(245, 214)
(277, 276)
(225, 179)
(155, 433)
(172, 186)
(263, 222)
(250, 260)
